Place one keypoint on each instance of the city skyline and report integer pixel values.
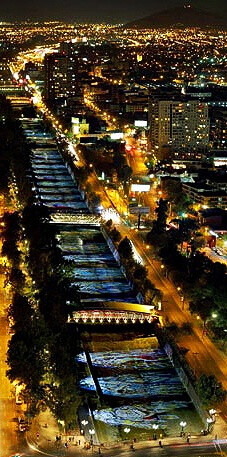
(101, 11)
(113, 229)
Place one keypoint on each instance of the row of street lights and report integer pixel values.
(91, 431)
(210, 420)
(183, 424)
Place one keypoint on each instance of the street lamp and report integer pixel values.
(92, 432)
(182, 424)
(179, 290)
(212, 411)
(209, 422)
(84, 422)
(127, 430)
(155, 427)
(164, 270)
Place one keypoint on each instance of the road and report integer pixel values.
(197, 450)
(9, 436)
(205, 449)
(203, 355)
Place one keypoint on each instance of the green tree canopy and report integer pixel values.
(210, 390)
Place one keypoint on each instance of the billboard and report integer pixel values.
(139, 210)
(140, 187)
(116, 135)
(140, 123)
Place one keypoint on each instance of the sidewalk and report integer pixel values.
(45, 435)
(43, 438)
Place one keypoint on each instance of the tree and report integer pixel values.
(178, 199)
(125, 173)
(161, 212)
(26, 357)
(115, 235)
(186, 227)
(203, 307)
(11, 227)
(139, 272)
(16, 279)
(10, 250)
(210, 390)
(109, 224)
(125, 248)
(20, 311)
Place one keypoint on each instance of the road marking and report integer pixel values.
(34, 448)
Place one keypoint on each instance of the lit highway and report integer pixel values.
(198, 450)
(9, 435)
(203, 449)
(203, 355)
(208, 358)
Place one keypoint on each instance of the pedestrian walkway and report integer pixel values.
(46, 436)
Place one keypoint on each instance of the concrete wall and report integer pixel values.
(173, 356)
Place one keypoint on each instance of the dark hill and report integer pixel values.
(186, 16)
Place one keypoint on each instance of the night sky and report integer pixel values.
(96, 10)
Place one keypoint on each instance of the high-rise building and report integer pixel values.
(177, 125)
(219, 127)
(60, 76)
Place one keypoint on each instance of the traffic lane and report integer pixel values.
(209, 359)
(208, 449)
(200, 351)
(171, 298)
(169, 291)
(197, 450)
(9, 435)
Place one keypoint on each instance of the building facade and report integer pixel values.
(60, 76)
(180, 125)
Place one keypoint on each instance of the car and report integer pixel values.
(22, 428)
(22, 424)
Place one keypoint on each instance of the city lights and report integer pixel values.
(113, 235)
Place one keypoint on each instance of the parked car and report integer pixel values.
(23, 424)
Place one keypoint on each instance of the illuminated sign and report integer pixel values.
(140, 187)
(116, 136)
(139, 210)
(140, 123)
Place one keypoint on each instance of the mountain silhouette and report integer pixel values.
(186, 16)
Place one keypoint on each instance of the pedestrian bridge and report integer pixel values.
(95, 317)
(78, 219)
